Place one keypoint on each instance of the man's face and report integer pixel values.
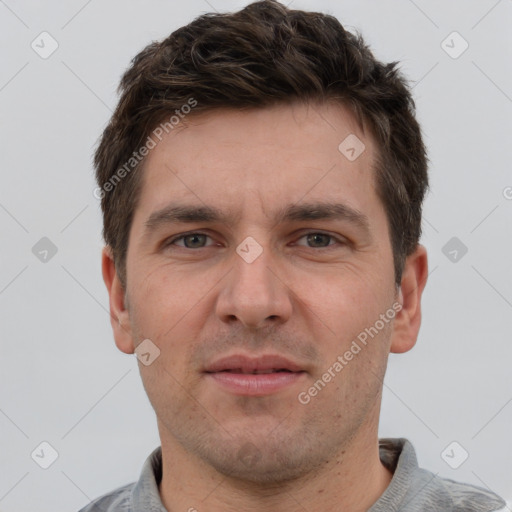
(317, 284)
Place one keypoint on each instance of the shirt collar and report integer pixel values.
(145, 493)
(397, 455)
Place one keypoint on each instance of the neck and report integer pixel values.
(352, 480)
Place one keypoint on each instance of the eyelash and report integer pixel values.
(171, 241)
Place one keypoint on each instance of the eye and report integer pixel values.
(197, 240)
(190, 241)
(320, 240)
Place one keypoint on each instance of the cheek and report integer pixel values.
(345, 300)
(163, 296)
(170, 311)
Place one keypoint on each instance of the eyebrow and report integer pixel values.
(180, 213)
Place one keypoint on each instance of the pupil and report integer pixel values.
(315, 238)
(192, 237)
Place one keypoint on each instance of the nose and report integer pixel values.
(254, 294)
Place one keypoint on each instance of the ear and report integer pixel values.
(119, 315)
(408, 319)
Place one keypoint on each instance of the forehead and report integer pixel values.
(257, 161)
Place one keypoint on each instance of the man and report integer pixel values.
(261, 182)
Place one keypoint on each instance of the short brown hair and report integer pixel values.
(263, 55)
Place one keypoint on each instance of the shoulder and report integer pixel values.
(413, 488)
(429, 491)
(137, 496)
(119, 500)
(468, 497)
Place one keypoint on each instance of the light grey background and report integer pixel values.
(61, 378)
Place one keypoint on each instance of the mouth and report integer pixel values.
(264, 363)
(255, 372)
(260, 376)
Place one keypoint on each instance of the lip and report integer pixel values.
(234, 374)
(249, 384)
(246, 364)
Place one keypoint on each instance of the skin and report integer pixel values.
(304, 299)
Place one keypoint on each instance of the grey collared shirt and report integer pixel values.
(412, 489)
